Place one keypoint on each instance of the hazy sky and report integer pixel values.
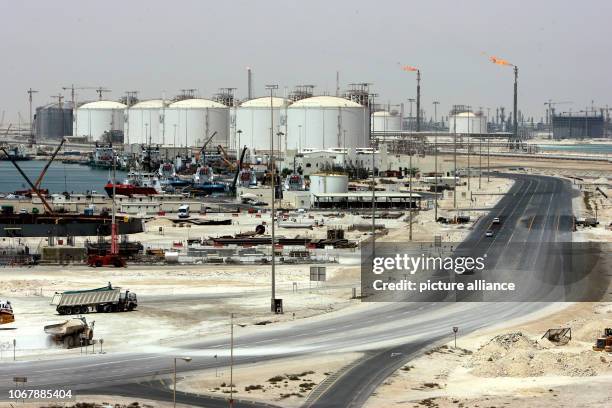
(561, 47)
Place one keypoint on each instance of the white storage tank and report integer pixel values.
(384, 121)
(253, 118)
(467, 123)
(328, 183)
(144, 122)
(324, 122)
(191, 122)
(93, 119)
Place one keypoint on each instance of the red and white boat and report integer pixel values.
(136, 184)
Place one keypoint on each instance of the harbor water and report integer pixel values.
(60, 177)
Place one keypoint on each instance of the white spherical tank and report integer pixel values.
(144, 123)
(253, 119)
(191, 122)
(324, 122)
(93, 119)
(467, 123)
(328, 183)
(383, 121)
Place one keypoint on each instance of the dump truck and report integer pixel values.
(604, 343)
(71, 333)
(102, 300)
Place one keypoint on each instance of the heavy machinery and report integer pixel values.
(71, 333)
(604, 343)
(6, 312)
(113, 258)
(102, 300)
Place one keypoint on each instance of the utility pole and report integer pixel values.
(410, 192)
(373, 143)
(480, 162)
(418, 101)
(435, 104)
(455, 159)
(30, 93)
(231, 400)
(273, 176)
(469, 172)
(488, 159)
(435, 175)
(515, 117)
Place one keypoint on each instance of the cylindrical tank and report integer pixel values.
(384, 121)
(324, 122)
(328, 183)
(93, 119)
(190, 122)
(253, 119)
(144, 123)
(467, 123)
(53, 122)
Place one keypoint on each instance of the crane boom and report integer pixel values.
(44, 170)
(27, 179)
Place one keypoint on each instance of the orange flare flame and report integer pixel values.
(500, 61)
(409, 68)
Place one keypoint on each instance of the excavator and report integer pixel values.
(604, 343)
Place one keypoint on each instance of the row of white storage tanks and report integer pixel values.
(320, 122)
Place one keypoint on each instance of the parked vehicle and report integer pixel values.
(101, 300)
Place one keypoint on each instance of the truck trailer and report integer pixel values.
(102, 300)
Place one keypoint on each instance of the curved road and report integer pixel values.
(537, 209)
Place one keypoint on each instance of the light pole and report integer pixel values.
(454, 116)
(480, 162)
(435, 104)
(239, 145)
(410, 192)
(185, 359)
(231, 400)
(272, 176)
(435, 175)
(300, 137)
(469, 171)
(488, 159)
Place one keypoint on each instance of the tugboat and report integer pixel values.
(16, 153)
(6, 312)
(136, 183)
(168, 178)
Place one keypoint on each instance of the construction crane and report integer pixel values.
(99, 90)
(225, 158)
(551, 108)
(48, 208)
(203, 149)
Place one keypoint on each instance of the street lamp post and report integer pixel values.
(185, 359)
(231, 401)
(435, 104)
(239, 134)
(272, 174)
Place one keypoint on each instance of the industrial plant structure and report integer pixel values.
(253, 121)
(53, 121)
(144, 122)
(95, 119)
(323, 122)
(383, 121)
(577, 126)
(467, 123)
(190, 122)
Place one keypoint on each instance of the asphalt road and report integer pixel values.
(537, 209)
